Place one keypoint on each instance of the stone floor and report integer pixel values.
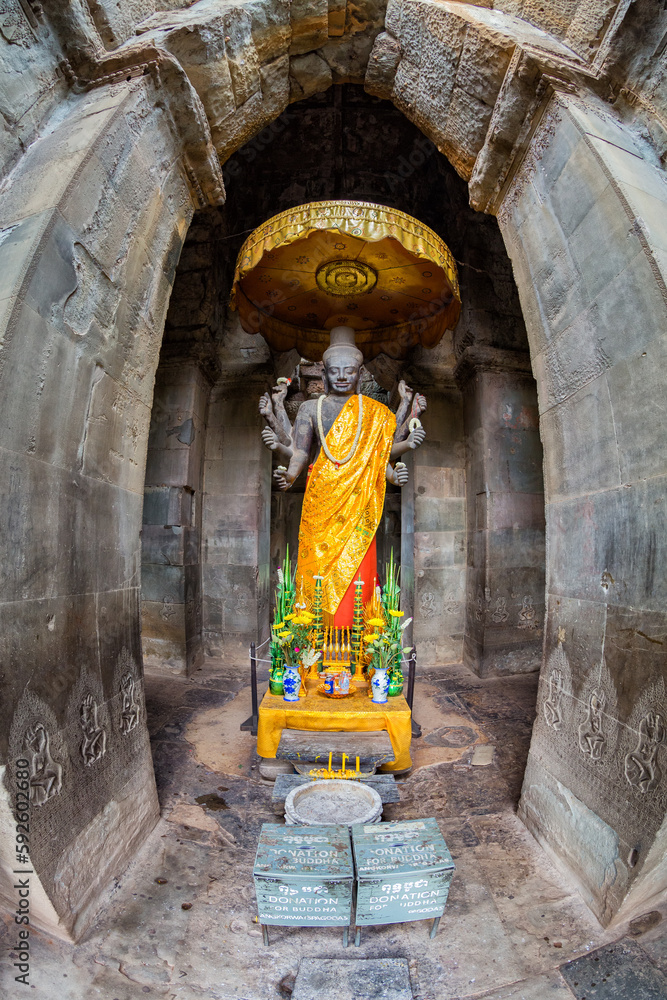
(180, 923)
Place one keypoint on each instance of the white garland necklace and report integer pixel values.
(339, 461)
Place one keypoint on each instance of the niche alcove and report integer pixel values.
(468, 529)
(555, 120)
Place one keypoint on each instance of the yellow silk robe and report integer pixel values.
(342, 507)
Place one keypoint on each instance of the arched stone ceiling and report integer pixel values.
(475, 78)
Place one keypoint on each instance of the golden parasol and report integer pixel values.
(346, 263)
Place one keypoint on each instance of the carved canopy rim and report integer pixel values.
(398, 280)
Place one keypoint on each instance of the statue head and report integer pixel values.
(342, 363)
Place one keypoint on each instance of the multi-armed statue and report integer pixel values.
(351, 441)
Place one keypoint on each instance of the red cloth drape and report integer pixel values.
(368, 572)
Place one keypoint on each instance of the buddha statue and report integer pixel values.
(353, 442)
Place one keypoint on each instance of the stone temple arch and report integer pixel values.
(558, 127)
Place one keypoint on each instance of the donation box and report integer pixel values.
(304, 875)
(403, 869)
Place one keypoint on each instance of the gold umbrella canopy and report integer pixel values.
(346, 263)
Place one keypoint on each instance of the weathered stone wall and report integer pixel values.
(32, 82)
(505, 543)
(433, 521)
(585, 226)
(236, 523)
(92, 224)
(247, 61)
(171, 531)
(584, 25)
(444, 64)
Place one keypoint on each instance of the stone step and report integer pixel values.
(304, 746)
(384, 785)
(345, 979)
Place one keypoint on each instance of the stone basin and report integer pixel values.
(331, 803)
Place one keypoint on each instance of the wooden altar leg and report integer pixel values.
(434, 928)
(345, 936)
(357, 938)
(265, 934)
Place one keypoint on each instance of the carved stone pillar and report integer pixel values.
(505, 504)
(171, 537)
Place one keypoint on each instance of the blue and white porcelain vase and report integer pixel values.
(380, 685)
(291, 682)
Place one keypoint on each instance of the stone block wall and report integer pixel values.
(505, 492)
(236, 521)
(171, 535)
(433, 524)
(581, 24)
(585, 226)
(33, 82)
(92, 223)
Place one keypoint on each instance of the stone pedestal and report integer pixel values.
(171, 564)
(505, 513)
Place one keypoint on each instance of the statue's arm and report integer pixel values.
(267, 411)
(302, 439)
(405, 393)
(413, 440)
(398, 474)
(278, 393)
(411, 405)
(270, 439)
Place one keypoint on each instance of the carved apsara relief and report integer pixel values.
(46, 774)
(642, 769)
(527, 614)
(129, 698)
(553, 703)
(558, 678)
(500, 614)
(641, 763)
(479, 609)
(592, 738)
(168, 610)
(452, 604)
(94, 743)
(130, 709)
(427, 605)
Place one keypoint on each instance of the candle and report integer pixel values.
(357, 763)
(344, 759)
(330, 756)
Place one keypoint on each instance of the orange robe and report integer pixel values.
(342, 506)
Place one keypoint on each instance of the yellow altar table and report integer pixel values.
(356, 713)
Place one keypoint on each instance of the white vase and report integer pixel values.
(291, 683)
(380, 685)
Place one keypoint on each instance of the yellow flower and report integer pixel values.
(396, 614)
(300, 620)
(371, 637)
(285, 635)
(279, 625)
(307, 614)
(377, 622)
(288, 618)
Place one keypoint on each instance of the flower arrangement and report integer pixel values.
(384, 643)
(294, 634)
(285, 601)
